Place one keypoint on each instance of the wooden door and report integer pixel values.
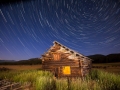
(57, 72)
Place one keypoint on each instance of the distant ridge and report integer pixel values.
(99, 58)
(31, 61)
(7, 61)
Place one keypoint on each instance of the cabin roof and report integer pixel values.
(56, 42)
(73, 51)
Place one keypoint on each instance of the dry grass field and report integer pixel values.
(21, 67)
(109, 67)
(107, 64)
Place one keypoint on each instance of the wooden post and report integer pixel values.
(79, 63)
(68, 78)
(58, 72)
(81, 68)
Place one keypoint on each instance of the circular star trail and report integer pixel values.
(28, 28)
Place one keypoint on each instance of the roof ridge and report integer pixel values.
(70, 49)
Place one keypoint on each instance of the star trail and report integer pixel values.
(28, 28)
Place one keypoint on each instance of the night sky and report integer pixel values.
(28, 28)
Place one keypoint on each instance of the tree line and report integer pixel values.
(98, 58)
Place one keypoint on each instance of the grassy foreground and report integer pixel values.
(43, 80)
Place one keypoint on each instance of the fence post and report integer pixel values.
(68, 83)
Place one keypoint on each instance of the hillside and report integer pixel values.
(32, 61)
(7, 61)
(98, 58)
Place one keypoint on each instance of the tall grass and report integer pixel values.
(43, 80)
(108, 81)
(30, 76)
(8, 74)
(44, 83)
(62, 84)
(80, 84)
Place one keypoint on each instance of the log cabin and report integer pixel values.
(65, 62)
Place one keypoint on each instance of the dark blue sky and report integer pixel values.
(28, 28)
